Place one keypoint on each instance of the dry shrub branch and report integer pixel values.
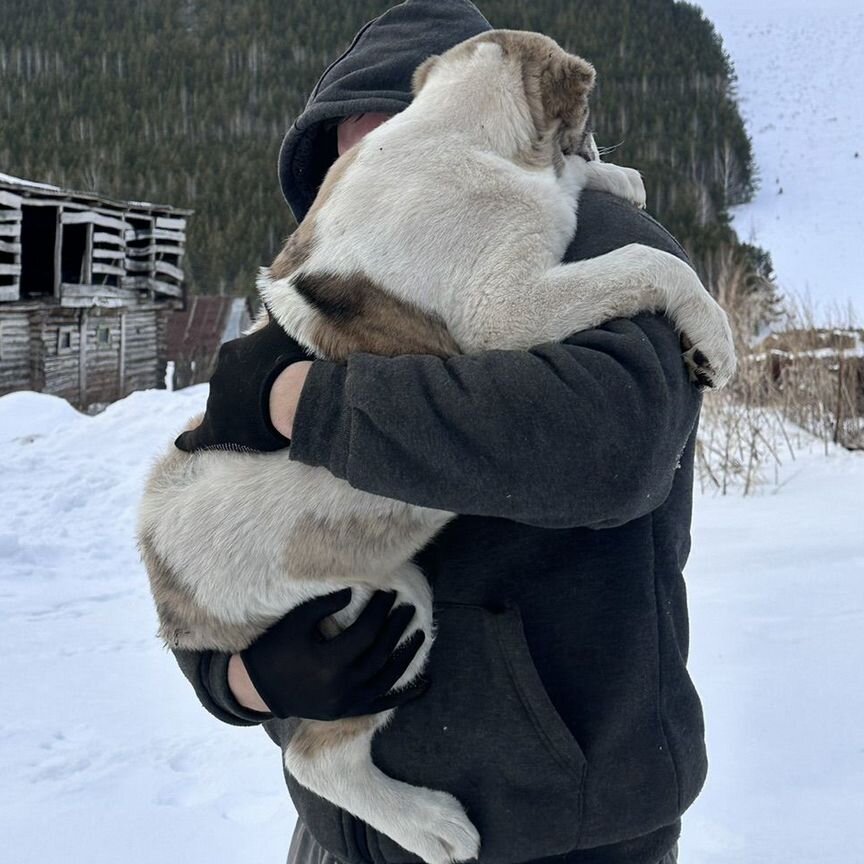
(803, 382)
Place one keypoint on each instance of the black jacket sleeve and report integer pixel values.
(207, 672)
(584, 433)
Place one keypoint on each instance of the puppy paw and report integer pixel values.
(711, 360)
(434, 826)
(636, 192)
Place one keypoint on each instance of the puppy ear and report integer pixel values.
(421, 73)
(565, 82)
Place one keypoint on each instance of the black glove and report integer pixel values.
(238, 407)
(300, 673)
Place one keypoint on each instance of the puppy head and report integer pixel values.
(551, 85)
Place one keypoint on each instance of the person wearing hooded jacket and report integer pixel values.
(559, 709)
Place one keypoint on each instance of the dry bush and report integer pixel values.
(801, 383)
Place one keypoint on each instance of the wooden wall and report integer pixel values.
(145, 349)
(86, 356)
(14, 350)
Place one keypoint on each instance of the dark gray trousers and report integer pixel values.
(305, 850)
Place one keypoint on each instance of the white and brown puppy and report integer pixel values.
(389, 261)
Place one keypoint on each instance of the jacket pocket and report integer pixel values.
(487, 732)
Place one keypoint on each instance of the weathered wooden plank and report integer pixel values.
(107, 296)
(170, 224)
(138, 266)
(10, 247)
(108, 269)
(87, 269)
(141, 251)
(9, 199)
(122, 371)
(90, 217)
(82, 358)
(166, 288)
(49, 201)
(10, 215)
(112, 254)
(169, 270)
(10, 269)
(10, 229)
(104, 237)
(160, 234)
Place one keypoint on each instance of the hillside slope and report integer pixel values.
(800, 72)
(187, 103)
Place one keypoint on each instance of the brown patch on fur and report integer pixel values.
(556, 86)
(183, 623)
(313, 736)
(298, 247)
(358, 315)
(357, 546)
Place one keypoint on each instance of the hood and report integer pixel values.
(373, 75)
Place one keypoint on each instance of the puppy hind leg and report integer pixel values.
(334, 760)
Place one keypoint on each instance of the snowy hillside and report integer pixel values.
(103, 742)
(801, 83)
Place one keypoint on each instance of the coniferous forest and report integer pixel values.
(185, 102)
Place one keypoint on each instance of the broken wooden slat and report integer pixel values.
(169, 270)
(96, 295)
(160, 234)
(165, 288)
(138, 266)
(170, 224)
(108, 269)
(89, 217)
(111, 254)
(113, 239)
(9, 199)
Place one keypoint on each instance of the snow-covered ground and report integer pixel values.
(801, 84)
(108, 757)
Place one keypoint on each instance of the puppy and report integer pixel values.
(387, 262)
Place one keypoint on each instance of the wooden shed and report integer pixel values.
(86, 287)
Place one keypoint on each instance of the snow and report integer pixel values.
(32, 184)
(104, 744)
(801, 87)
(101, 739)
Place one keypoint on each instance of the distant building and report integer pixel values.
(87, 285)
(195, 334)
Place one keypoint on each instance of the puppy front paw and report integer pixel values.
(633, 187)
(711, 361)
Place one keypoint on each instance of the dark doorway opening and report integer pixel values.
(38, 235)
(72, 253)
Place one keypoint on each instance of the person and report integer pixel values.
(557, 705)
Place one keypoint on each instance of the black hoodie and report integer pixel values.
(560, 710)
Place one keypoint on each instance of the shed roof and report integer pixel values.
(31, 188)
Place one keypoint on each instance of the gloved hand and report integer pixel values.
(238, 412)
(300, 673)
